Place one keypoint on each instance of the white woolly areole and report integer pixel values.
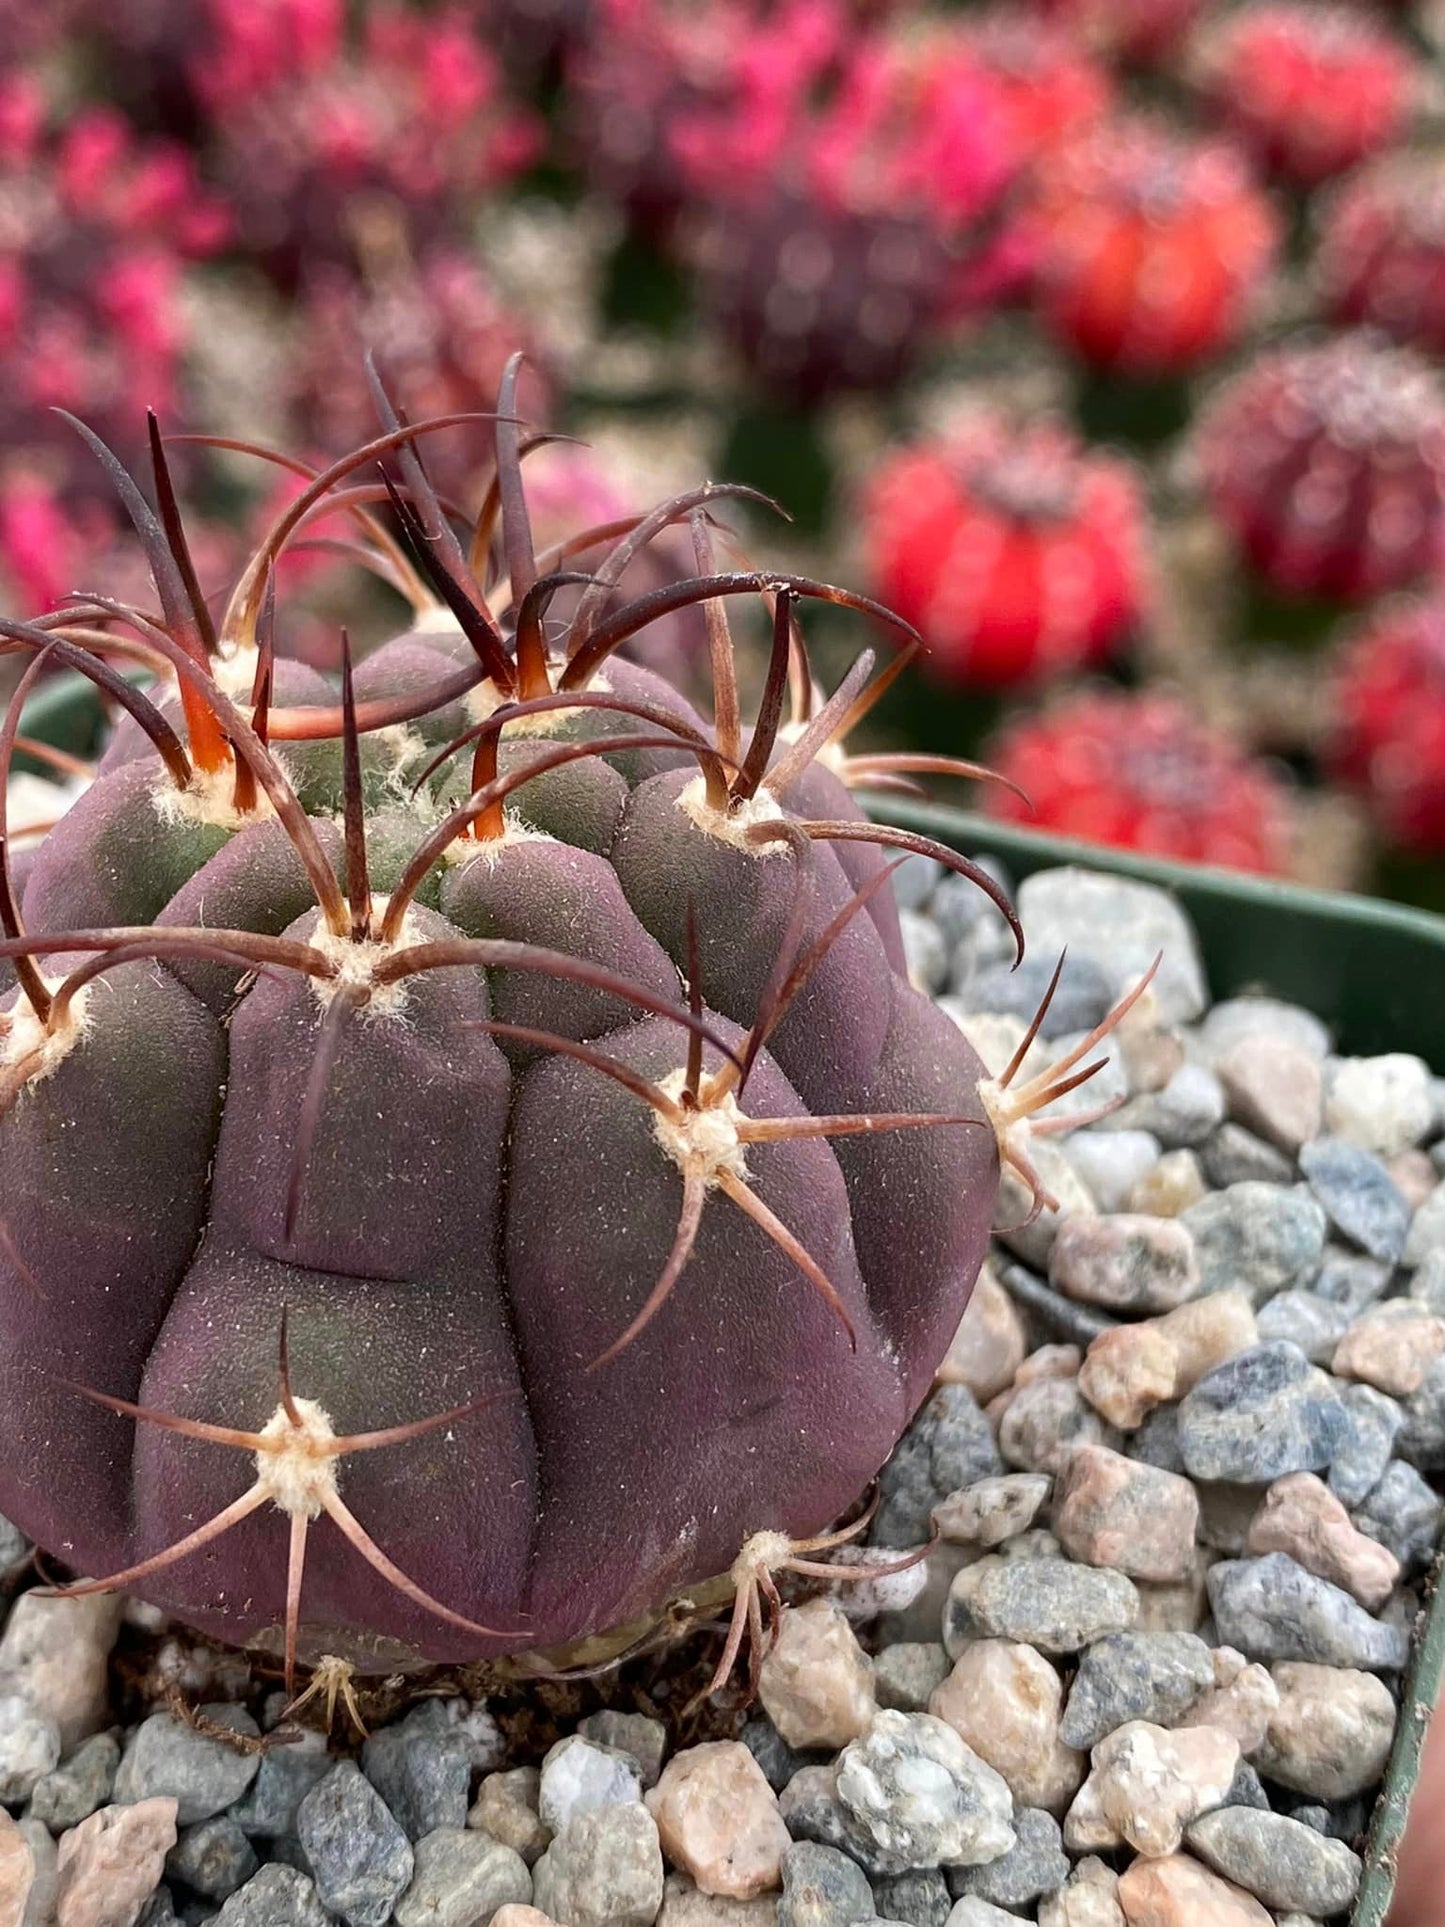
(703, 1142)
(356, 964)
(28, 1037)
(486, 699)
(210, 798)
(234, 671)
(765, 1552)
(1010, 1126)
(296, 1466)
(731, 825)
(465, 849)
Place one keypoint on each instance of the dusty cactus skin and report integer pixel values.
(533, 1184)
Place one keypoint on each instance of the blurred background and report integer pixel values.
(1105, 339)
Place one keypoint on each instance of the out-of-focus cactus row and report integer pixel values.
(1103, 338)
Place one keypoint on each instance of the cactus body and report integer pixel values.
(433, 1124)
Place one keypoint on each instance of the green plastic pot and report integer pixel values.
(1372, 970)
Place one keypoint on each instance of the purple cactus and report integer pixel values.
(487, 1110)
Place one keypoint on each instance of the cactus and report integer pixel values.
(1143, 30)
(1140, 773)
(487, 1110)
(1388, 715)
(1152, 250)
(1381, 256)
(1309, 90)
(1018, 552)
(1327, 462)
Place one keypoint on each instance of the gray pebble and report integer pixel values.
(1157, 1440)
(1246, 1789)
(578, 1777)
(921, 1798)
(1049, 1603)
(812, 1811)
(1428, 1283)
(360, 1859)
(1311, 1814)
(921, 1899)
(959, 907)
(916, 879)
(1262, 1414)
(822, 1887)
(1373, 1423)
(212, 1858)
(1122, 926)
(973, 1912)
(1404, 1514)
(14, 1546)
(1422, 1441)
(29, 1748)
(1081, 1001)
(1315, 1324)
(1036, 1864)
(1185, 1113)
(905, 1675)
(1427, 1228)
(634, 1733)
(1359, 1196)
(949, 1445)
(1272, 1609)
(461, 1879)
(203, 1775)
(1234, 1019)
(926, 951)
(1057, 1316)
(1282, 1863)
(287, 1775)
(1262, 1237)
(158, 1911)
(80, 1785)
(1111, 1162)
(771, 1751)
(1129, 1262)
(604, 1870)
(1233, 1155)
(1350, 1279)
(276, 1897)
(421, 1768)
(1045, 1419)
(1134, 1676)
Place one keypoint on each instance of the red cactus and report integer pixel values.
(1381, 258)
(1049, 87)
(1311, 90)
(1140, 773)
(1152, 249)
(1327, 461)
(394, 134)
(1388, 705)
(1017, 553)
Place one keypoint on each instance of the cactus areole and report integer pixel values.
(471, 1158)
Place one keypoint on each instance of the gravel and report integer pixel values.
(1061, 1678)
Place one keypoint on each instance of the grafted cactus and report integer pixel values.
(480, 1113)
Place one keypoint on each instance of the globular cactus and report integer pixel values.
(1327, 462)
(1141, 773)
(1019, 553)
(1047, 84)
(1388, 721)
(1310, 90)
(837, 233)
(1381, 255)
(488, 1110)
(1152, 250)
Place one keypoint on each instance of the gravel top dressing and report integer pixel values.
(1180, 1465)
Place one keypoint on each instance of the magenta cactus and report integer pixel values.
(488, 1110)
(1381, 256)
(1327, 462)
